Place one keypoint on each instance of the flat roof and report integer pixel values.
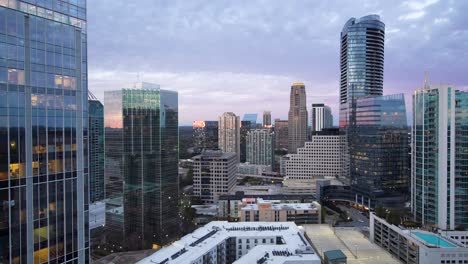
(432, 239)
(275, 205)
(193, 246)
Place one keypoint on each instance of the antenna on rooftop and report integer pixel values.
(425, 85)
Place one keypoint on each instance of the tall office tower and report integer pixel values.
(320, 158)
(214, 174)
(43, 133)
(244, 130)
(281, 134)
(252, 118)
(321, 117)
(439, 181)
(261, 147)
(142, 129)
(229, 133)
(96, 148)
(297, 119)
(205, 134)
(379, 149)
(362, 61)
(267, 119)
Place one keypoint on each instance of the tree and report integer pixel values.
(393, 217)
(380, 212)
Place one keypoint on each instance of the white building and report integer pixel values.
(416, 246)
(229, 133)
(227, 242)
(321, 158)
(321, 117)
(253, 169)
(214, 174)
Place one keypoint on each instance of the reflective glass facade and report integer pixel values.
(378, 139)
(440, 156)
(43, 132)
(96, 150)
(142, 164)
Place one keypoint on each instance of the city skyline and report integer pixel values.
(256, 68)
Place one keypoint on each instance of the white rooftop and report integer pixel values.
(194, 246)
(277, 205)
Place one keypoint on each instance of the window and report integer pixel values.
(16, 76)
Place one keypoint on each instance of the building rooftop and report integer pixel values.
(277, 205)
(195, 245)
(334, 254)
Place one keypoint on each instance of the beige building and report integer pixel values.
(229, 133)
(297, 117)
(259, 210)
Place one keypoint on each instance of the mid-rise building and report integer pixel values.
(416, 246)
(229, 133)
(142, 166)
(320, 158)
(247, 242)
(281, 134)
(96, 149)
(259, 210)
(261, 147)
(214, 174)
(439, 182)
(44, 195)
(205, 134)
(321, 117)
(267, 119)
(297, 117)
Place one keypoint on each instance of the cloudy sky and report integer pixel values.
(242, 56)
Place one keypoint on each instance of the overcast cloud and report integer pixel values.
(242, 56)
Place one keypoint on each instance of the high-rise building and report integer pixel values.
(96, 149)
(142, 129)
(43, 133)
(439, 181)
(267, 119)
(205, 134)
(281, 134)
(252, 118)
(244, 130)
(297, 118)
(321, 117)
(229, 133)
(214, 174)
(362, 61)
(379, 151)
(261, 147)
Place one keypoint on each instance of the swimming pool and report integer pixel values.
(434, 240)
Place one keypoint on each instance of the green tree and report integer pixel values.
(381, 212)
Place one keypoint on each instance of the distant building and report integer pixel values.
(281, 134)
(205, 134)
(297, 118)
(321, 117)
(244, 131)
(253, 169)
(214, 174)
(439, 182)
(238, 243)
(259, 210)
(416, 246)
(252, 118)
(229, 133)
(261, 147)
(96, 149)
(267, 119)
(142, 163)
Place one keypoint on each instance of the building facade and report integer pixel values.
(297, 118)
(281, 134)
(244, 131)
(229, 133)
(267, 119)
(252, 118)
(321, 117)
(261, 147)
(96, 150)
(44, 178)
(214, 174)
(205, 134)
(142, 128)
(439, 184)
(362, 61)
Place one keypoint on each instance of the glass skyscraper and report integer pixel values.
(43, 132)
(142, 154)
(378, 138)
(361, 61)
(439, 182)
(96, 149)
